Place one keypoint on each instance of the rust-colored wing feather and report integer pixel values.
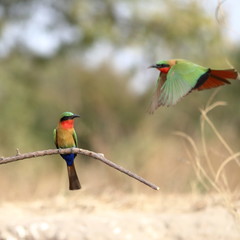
(218, 77)
(227, 73)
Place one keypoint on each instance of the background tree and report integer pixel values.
(91, 58)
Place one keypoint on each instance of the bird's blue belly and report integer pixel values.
(69, 158)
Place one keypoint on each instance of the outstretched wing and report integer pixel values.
(181, 79)
(155, 100)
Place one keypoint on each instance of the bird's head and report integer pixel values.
(67, 119)
(164, 66)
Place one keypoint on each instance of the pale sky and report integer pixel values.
(46, 42)
(231, 9)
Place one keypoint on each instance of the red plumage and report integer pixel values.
(228, 73)
(218, 77)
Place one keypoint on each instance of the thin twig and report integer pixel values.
(217, 133)
(200, 171)
(98, 156)
(218, 11)
(222, 166)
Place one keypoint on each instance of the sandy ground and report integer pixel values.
(162, 217)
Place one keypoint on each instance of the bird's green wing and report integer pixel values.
(181, 79)
(75, 138)
(155, 100)
(55, 137)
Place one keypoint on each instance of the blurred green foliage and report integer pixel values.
(35, 89)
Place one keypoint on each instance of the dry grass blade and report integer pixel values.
(223, 165)
(207, 172)
(201, 173)
(204, 117)
(216, 132)
(218, 12)
(189, 139)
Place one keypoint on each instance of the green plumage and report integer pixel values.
(179, 77)
(180, 80)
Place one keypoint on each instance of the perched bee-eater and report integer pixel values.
(179, 77)
(66, 137)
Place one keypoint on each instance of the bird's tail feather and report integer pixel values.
(228, 73)
(218, 77)
(74, 183)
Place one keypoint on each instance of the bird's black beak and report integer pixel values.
(153, 66)
(75, 116)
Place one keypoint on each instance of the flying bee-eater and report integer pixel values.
(178, 77)
(66, 137)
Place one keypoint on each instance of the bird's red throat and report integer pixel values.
(67, 124)
(164, 69)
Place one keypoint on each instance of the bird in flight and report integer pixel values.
(178, 77)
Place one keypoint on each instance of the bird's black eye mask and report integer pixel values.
(68, 117)
(162, 65)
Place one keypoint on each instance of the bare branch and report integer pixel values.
(98, 156)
